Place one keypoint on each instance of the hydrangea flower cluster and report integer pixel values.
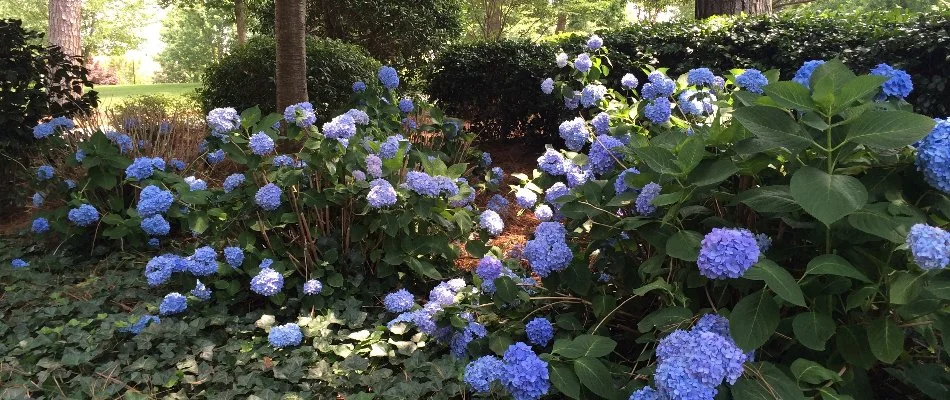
(155, 225)
(644, 203)
(583, 63)
(659, 110)
(525, 375)
(548, 251)
(399, 301)
(575, 133)
(898, 82)
(215, 157)
(601, 123)
(595, 42)
(37, 200)
(727, 253)
(803, 75)
(40, 225)
(498, 204)
(233, 181)
(700, 77)
(763, 241)
(18, 263)
(482, 372)
(628, 81)
(359, 87)
(267, 282)
(123, 141)
(178, 164)
(223, 120)
(460, 340)
(234, 256)
(203, 262)
(195, 184)
(390, 147)
(490, 221)
(287, 335)
(143, 167)
(406, 105)
(561, 59)
(658, 85)
(268, 197)
(442, 295)
(46, 129)
(300, 114)
(489, 268)
(526, 198)
(592, 94)
(752, 80)
(543, 213)
(388, 77)
(312, 287)
(552, 162)
(556, 191)
(381, 193)
(173, 303)
(359, 116)
(153, 200)
(497, 176)
(84, 215)
(341, 127)
(422, 184)
(201, 291)
(547, 86)
(539, 331)
(159, 269)
(604, 153)
(141, 324)
(261, 144)
(620, 184)
(930, 246)
(45, 172)
(933, 156)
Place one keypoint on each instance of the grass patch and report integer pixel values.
(113, 94)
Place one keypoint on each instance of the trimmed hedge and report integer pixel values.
(246, 77)
(510, 72)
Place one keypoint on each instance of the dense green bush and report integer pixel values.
(921, 46)
(332, 67)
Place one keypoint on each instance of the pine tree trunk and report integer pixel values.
(708, 8)
(290, 26)
(240, 19)
(64, 19)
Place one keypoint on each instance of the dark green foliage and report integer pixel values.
(245, 78)
(920, 46)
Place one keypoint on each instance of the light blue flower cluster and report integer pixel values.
(659, 110)
(37, 199)
(155, 225)
(153, 200)
(763, 241)
(46, 129)
(561, 59)
(803, 75)
(141, 324)
(548, 251)
(552, 162)
(658, 85)
(268, 197)
(70, 184)
(575, 133)
(123, 141)
(388, 77)
(341, 127)
(359, 87)
(283, 160)
(498, 204)
(727, 253)
(460, 340)
(300, 114)
(595, 42)
(223, 120)
(406, 105)
(359, 116)
(620, 184)
(526, 198)
(233, 181)
(489, 268)
(577, 175)
(752, 80)
(524, 375)
(628, 81)
(490, 221)
(215, 157)
(482, 372)
(543, 213)
(261, 144)
(486, 159)
(930, 246)
(399, 301)
(601, 123)
(195, 184)
(40, 225)
(143, 167)
(547, 86)
(604, 153)
(898, 83)
(592, 94)
(201, 291)
(574, 101)
(84, 215)
(644, 203)
(700, 77)
(381, 193)
(497, 176)
(160, 268)
(539, 331)
(359, 176)
(374, 165)
(154, 242)
(390, 147)
(267, 282)
(312, 287)
(18, 263)
(555, 192)
(178, 164)
(286, 335)
(80, 155)
(583, 63)
(173, 303)
(462, 202)
(422, 184)
(203, 262)
(645, 393)
(45, 172)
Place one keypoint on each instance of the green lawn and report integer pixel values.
(111, 94)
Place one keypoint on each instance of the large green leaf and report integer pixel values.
(811, 372)
(831, 264)
(778, 279)
(790, 95)
(878, 224)
(769, 199)
(826, 197)
(860, 89)
(594, 375)
(905, 287)
(753, 320)
(684, 245)
(666, 319)
(564, 379)
(889, 129)
(939, 286)
(712, 172)
(766, 382)
(886, 339)
(775, 126)
(813, 329)
(658, 159)
(585, 346)
(852, 343)
(827, 80)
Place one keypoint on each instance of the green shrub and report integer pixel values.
(332, 67)
(920, 46)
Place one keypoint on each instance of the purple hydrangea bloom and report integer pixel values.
(215, 157)
(442, 295)
(803, 75)
(592, 94)
(283, 160)
(233, 181)
(201, 291)
(554, 192)
(234, 256)
(381, 193)
(930, 246)
(526, 198)
(561, 59)
(80, 155)
(595, 42)
(553, 162)
(300, 114)
(267, 282)
(498, 204)
(752, 80)
(571, 103)
(312, 287)
(261, 144)
(422, 184)
(539, 331)
(359, 176)
(178, 164)
(154, 242)
(620, 185)
(601, 123)
(727, 253)
(491, 222)
(359, 87)
(629, 81)
(40, 225)
(583, 63)
(548, 251)
(575, 133)
(489, 268)
(658, 110)
(342, 127)
(646, 393)
(547, 86)
(577, 176)
(37, 199)
(406, 105)
(287, 335)
(497, 176)
(390, 147)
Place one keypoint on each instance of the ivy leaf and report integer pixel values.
(826, 197)
(753, 320)
(813, 329)
(778, 279)
(886, 339)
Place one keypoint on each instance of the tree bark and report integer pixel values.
(240, 19)
(64, 25)
(291, 29)
(494, 26)
(561, 23)
(708, 8)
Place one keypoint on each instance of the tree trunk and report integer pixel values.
(240, 19)
(64, 18)
(494, 26)
(291, 29)
(561, 23)
(708, 8)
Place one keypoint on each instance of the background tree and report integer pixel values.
(291, 32)
(64, 29)
(194, 38)
(235, 9)
(708, 8)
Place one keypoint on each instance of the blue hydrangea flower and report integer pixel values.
(388, 77)
(539, 331)
(178, 164)
(44, 130)
(84, 215)
(603, 277)
(561, 59)
(123, 141)
(287, 335)
(374, 165)
(442, 295)
(266, 263)
(312, 287)
(460, 340)
(446, 185)
(583, 63)
(45, 172)
(620, 185)
(752, 80)
(141, 168)
(526, 198)
(422, 183)
(592, 94)
(410, 123)
(406, 105)
(547, 86)
(154, 242)
(552, 162)
(594, 42)
(689, 103)
(575, 133)
(203, 262)
(698, 361)
(658, 110)
(658, 86)
(268, 197)
(233, 181)
(153, 200)
(155, 226)
(601, 123)
(159, 269)
(141, 324)
(482, 372)
(577, 175)
(390, 147)
(399, 301)
(496, 176)
(524, 375)
(486, 159)
(359, 176)
(173, 303)
(555, 192)
(341, 127)
(19, 263)
(644, 203)
(267, 282)
(930, 246)
(673, 381)
(727, 253)
(719, 83)
(359, 116)
(215, 157)
(604, 153)
(629, 81)
(300, 114)
(543, 213)
(646, 393)
(489, 268)
(195, 184)
(37, 199)
(234, 256)
(763, 241)
(898, 83)
(261, 144)
(548, 251)
(491, 222)
(381, 193)
(803, 75)
(40, 225)
(700, 77)
(223, 120)
(283, 160)
(80, 155)
(359, 87)
(70, 184)
(571, 103)
(201, 291)
(498, 204)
